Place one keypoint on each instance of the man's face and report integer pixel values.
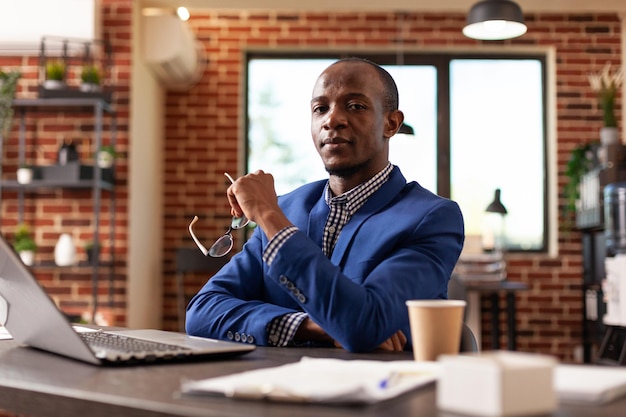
(349, 125)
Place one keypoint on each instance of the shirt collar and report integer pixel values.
(357, 196)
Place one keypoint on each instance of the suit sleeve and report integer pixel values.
(358, 297)
(362, 303)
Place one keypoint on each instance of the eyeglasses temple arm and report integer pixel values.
(204, 250)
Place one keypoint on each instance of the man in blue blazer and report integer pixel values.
(334, 261)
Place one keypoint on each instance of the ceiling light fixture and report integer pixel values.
(182, 13)
(495, 20)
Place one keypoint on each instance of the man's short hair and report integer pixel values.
(390, 89)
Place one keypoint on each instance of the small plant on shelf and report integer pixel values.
(90, 77)
(92, 249)
(55, 74)
(24, 244)
(106, 156)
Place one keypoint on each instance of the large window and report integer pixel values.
(479, 125)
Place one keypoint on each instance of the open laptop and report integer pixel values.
(32, 318)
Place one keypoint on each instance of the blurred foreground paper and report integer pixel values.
(312, 380)
(587, 384)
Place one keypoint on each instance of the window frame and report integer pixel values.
(441, 61)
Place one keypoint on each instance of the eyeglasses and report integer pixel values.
(224, 244)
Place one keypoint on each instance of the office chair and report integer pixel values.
(190, 261)
(456, 291)
(468, 341)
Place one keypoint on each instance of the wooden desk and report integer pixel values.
(40, 384)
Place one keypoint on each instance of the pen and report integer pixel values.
(395, 376)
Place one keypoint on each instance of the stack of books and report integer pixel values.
(481, 267)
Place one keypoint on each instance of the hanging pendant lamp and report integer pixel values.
(406, 129)
(495, 20)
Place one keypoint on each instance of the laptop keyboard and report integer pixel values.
(130, 347)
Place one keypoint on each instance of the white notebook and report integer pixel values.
(313, 380)
(588, 384)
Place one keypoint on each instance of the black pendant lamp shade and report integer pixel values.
(496, 205)
(406, 129)
(495, 20)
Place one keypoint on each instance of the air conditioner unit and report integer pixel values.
(171, 51)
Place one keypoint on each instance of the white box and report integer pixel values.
(497, 383)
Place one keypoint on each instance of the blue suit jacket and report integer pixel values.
(401, 244)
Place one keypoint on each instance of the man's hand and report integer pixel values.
(254, 195)
(311, 331)
(395, 343)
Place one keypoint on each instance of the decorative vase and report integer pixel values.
(24, 175)
(68, 152)
(53, 84)
(65, 251)
(609, 136)
(89, 88)
(27, 256)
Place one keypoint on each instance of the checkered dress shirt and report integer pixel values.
(282, 329)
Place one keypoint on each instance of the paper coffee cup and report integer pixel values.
(435, 327)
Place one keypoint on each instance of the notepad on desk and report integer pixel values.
(587, 384)
(314, 380)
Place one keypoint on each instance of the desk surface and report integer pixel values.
(41, 384)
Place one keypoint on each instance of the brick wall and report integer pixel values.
(53, 212)
(203, 140)
(203, 135)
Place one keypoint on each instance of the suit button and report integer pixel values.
(283, 279)
(229, 335)
(302, 298)
(274, 338)
(250, 339)
(237, 337)
(290, 286)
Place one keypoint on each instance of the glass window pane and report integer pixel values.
(496, 113)
(484, 132)
(279, 120)
(417, 155)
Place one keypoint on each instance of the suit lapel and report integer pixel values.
(317, 221)
(380, 199)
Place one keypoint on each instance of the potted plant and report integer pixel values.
(92, 249)
(24, 244)
(8, 86)
(606, 85)
(90, 77)
(580, 162)
(24, 174)
(55, 75)
(106, 156)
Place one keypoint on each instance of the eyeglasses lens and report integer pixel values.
(222, 246)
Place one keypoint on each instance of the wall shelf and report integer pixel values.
(96, 180)
(41, 185)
